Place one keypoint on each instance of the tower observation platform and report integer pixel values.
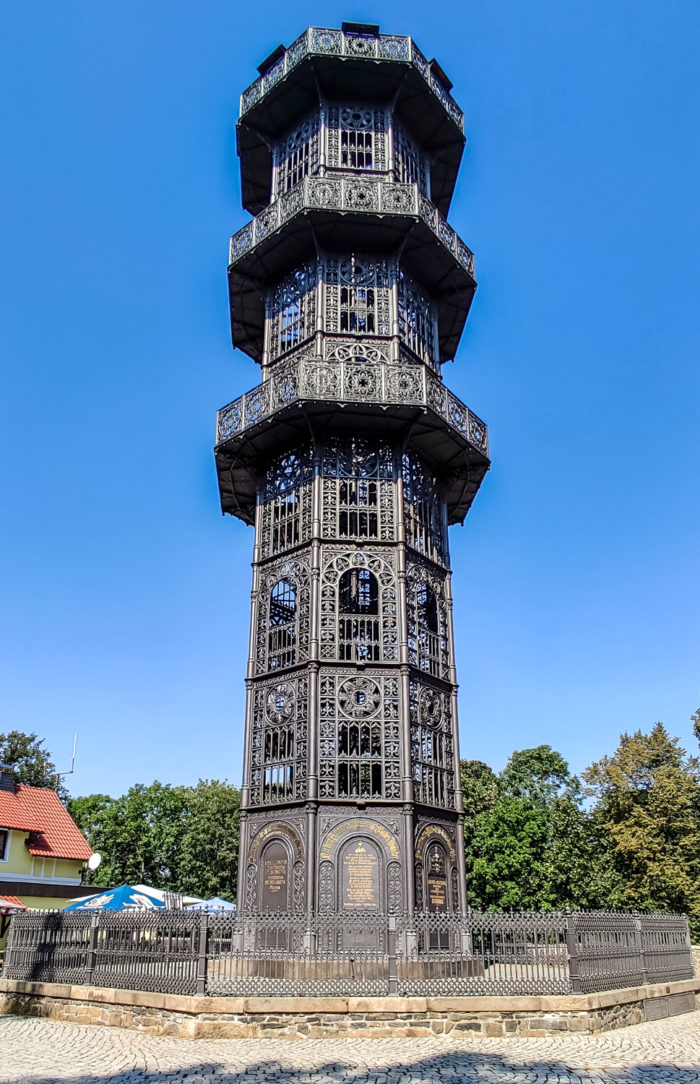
(350, 458)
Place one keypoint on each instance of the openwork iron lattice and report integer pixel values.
(284, 953)
(616, 949)
(320, 41)
(314, 378)
(350, 194)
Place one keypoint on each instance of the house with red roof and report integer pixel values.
(42, 851)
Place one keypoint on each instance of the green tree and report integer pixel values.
(30, 761)
(695, 720)
(508, 856)
(183, 839)
(138, 835)
(646, 815)
(538, 775)
(208, 859)
(528, 841)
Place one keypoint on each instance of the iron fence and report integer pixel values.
(284, 954)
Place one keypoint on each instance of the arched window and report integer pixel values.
(428, 639)
(422, 510)
(356, 137)
(278, 758)
(292, 310)
(416, 320)
(281, 639)
(431, 747)
(358, 620)
(297, 155)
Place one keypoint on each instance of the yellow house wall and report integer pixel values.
(19, 859)
(20, 862)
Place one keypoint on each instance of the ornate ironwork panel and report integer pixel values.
(359, 750)
(358, 491)
(359, 619)
(296, 156)
(356, 138)
(427, 623)
(432, 745)
(279, 741)
(409, 161)
(358, 293)
(423, 510)
(282, 638)
(292, 310)
(416, 319)
(286, 503)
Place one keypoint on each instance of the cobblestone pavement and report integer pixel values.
(34, 1051)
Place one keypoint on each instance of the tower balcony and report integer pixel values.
(351, 214)
(386, 401)
(351, 63)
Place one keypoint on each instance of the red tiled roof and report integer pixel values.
(52, 831)
(13, 814)
(13, 901)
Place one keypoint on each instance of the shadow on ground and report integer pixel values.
(451, 1065)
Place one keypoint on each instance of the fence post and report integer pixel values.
(572, 951)
(9, 947)
(202, 953)
(92, 948)
(639, 943)
(391, 951)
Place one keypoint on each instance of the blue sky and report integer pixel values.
(125, 593)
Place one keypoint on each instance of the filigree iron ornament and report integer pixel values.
(347, 452)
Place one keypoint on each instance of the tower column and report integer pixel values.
(350, 458)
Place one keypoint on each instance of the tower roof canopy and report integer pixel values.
(349, 214)
(355, 63)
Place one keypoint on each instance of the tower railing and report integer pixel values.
(352, 381)
(334, 193)
(320, 41)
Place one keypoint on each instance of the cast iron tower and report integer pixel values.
(351, 459)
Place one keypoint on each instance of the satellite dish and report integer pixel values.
(94, 860)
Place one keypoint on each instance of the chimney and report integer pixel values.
(7, 779)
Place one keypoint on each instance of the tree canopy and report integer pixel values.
(528, 841)
(183, 839)
(646, 815)
(30, 761)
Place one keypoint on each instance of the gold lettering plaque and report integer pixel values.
(275, 874)
(437, 893)
(361, 878)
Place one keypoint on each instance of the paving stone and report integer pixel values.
(39, 1051)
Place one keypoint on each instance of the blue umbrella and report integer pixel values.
(122, 898)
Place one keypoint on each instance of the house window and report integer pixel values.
(4, 844)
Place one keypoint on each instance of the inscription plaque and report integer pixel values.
(361, 877)
(275, 873)
(437, 893)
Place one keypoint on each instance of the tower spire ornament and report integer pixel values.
(350, 458)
